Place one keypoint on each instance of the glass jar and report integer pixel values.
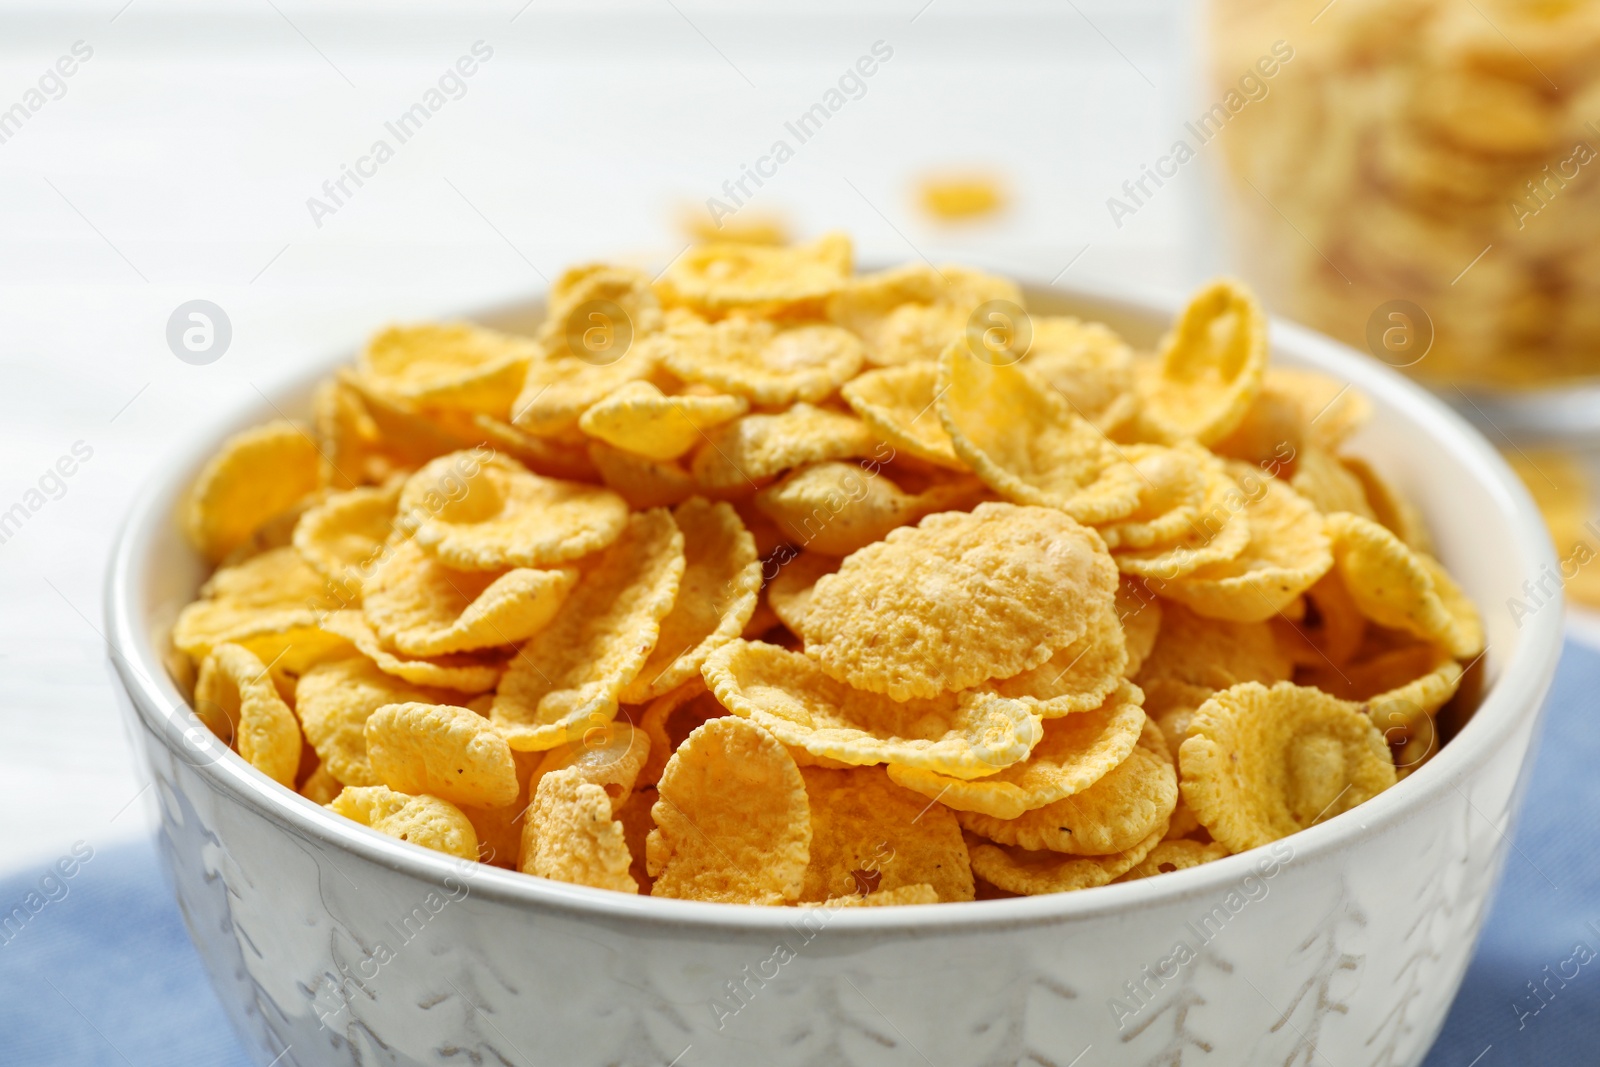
(1421, 178)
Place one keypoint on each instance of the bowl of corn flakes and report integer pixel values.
(770, 661)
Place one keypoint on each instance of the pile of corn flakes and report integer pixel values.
(1437, 152)
(768, 582)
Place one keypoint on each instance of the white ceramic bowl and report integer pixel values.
(331, 944)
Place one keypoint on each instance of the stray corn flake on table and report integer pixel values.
(773, 583)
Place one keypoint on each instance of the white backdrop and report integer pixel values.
(175, 163)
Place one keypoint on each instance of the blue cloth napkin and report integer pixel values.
(104, 973)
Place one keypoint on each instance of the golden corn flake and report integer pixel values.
(448, 752)
(1117, 812)
(235, 684)
(569, 676)
(1263, 763)
(452, 365)
(716, 597)
(789, 592)
(610, 756)
(271, 604)
(1080, 676)
(725, 277)
(1328, 484)
(643, 483)
(1288, 551)
(1329, 410)
(1211, 366)
(640, 419)
(837, 508)
(1026, 443)
(1088, 364)
(334, 700)
(1214, 653)
(732, 820)
(570, 836)
(461, 671)
(951, 197)
(406, 438)
(745, 454)
(1174, 855)
(254, 476)
(482, 512)
(1172, 494)
(963, 735)
(350, 447)
(426, 821)
(1076, 752)
(1033, 873)
(900, 405)
(773, 365)
(908, 314)
(748, 227)
(424, 608)
(597, 308)
(1393, 512)
(559, 389)
(343, 535)
(671, 718)
(1218, 533)
(1396, 587)
(868, 835)
(959, 599)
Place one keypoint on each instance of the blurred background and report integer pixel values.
(1413, 176)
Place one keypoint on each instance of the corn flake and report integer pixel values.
(789, 592)
(424, 820)
(1076, 752)
(1118, 811)
(1287, 552)
(732, 820)
(1026, 443)
(959, 599)
(334, 700)
(445, 751)
(868, 835)
(424, 608)
(235, 683)
(464, 672)
(900, 406)
(837, 508)
(642, 420)
(963, 735)
(569, 676)
(772, 364)
(570, 836)
(716, 597)
(453, 365)
(746, 453)
(486, 512)
(1211, 366)
(1033, 873)
(254, 476)
(726, 277)
(1263, 763)
(1399, 588)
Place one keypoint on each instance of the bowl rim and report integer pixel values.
(1516, 695)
